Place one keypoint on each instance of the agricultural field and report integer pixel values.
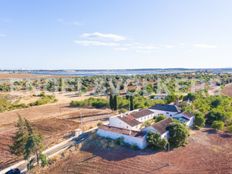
(228, 90)
(54, 121)
(207, 152)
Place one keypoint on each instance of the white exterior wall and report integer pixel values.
(190, 122)
(166, 113)
(138, 141)
(151, 129)
(145, 118)
(116, 122)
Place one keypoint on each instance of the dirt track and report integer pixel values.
(206, 153)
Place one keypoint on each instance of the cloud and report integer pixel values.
(200, 45)
(2, 35)
(96, 43)
(104, 36)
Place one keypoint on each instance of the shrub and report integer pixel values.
(155, 141)
(90, 102)
(44, 160)
(218, 125)
(120, 141)
(178, 134)
(160, 118)
(44, 100)
(229, 128)
(199, 120)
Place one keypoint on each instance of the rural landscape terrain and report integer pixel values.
(115, 87)
(56, 107)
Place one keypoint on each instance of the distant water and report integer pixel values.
(123, 72)
(108, 72)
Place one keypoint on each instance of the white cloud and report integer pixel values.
(96, 43)
(201, 45)
(105, 36)
(2, 35)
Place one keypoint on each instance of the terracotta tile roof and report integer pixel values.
(164, 107)
(161, 126)
(122, 131)
(130, 120)
(141, 113)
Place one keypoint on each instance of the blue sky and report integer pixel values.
(105, 34)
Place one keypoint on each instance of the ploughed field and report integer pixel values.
(55, 122)
(207, 153)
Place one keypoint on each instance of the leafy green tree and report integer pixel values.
(178, 134)
(229, 128)
(20, 138)
(160, 117)
(171, 98)
(218, 125)
(199, 120)
(154, 140)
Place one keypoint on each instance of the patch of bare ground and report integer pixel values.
(28, 76)
(54, 122)
(53, 131)
(207, 153)
(227, 90)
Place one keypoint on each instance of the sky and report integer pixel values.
(115, 34)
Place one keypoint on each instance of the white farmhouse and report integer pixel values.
(131, 120)
(143, 115)
(160, 128)
(129, 136)
(167, 110)
(125, 122)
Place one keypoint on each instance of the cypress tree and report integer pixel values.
(131, 103)
(111, 101)
(20, 138)
(115, 102)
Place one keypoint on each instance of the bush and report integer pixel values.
(218, 125)
(160, 118)
(199, 121)
(91, 102)
(155, 141)
(44, 160)
(44, 100)
(120, 141)
(229, 128)
(178, 134)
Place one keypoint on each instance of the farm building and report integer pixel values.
(131, 137)
(167, 110)
(131, 120)
(185, 118)
(160, 128)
